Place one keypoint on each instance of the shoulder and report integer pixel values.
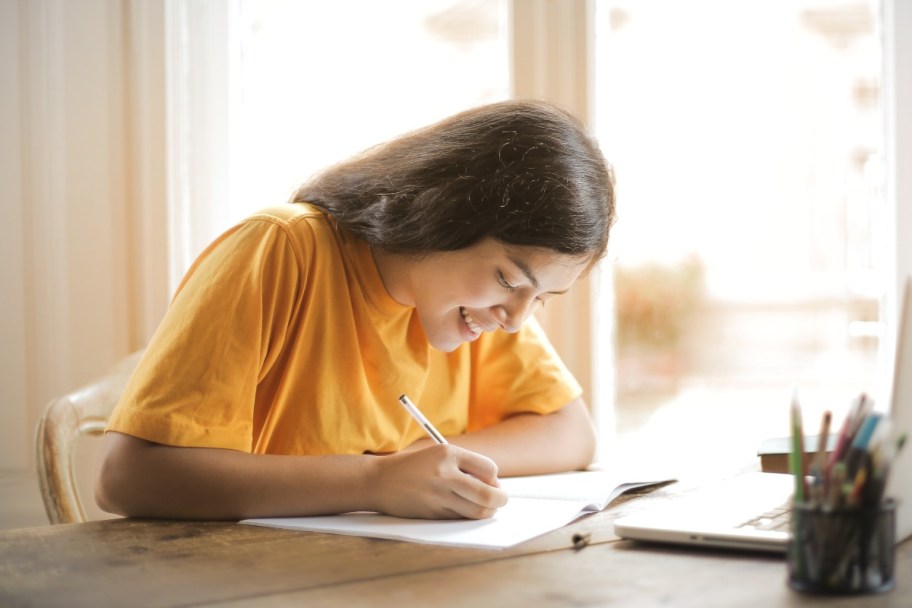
(304, 226)
(286, 236)
(293, 216)
(299, 237)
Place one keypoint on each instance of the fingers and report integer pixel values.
(442, 482)
(469, 498)
(476, 500)
(479, 484)
(462, 508)
(475, 488)
(478, 466)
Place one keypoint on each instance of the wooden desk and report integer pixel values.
(160, 563)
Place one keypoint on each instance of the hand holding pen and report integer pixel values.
(443, 481)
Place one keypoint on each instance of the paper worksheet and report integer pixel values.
(537, 504)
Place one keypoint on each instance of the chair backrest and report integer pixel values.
(82, 412)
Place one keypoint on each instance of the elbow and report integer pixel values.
(109, 489)
(106, 496)
(587, 443)
(115, 487)
(582, 435)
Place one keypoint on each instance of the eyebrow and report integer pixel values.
(525, 270)
(529, 275)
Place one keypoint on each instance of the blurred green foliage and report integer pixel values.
(655, 302)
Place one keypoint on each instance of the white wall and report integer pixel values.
(13, 412)
(81, 181)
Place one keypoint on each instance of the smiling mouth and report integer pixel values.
(470, 322)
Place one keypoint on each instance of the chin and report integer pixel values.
(445, 342)
(441, 339)
(445, 347)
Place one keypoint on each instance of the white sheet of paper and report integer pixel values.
(519, 520)
(594, 488)
(537, 505)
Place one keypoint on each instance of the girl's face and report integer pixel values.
(458, 295)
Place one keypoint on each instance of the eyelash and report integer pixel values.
(503, 283)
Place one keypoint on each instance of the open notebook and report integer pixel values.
(751, 511)
(537, 504)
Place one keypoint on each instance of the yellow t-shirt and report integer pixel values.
(282, 339)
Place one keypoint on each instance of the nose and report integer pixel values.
(512, 315)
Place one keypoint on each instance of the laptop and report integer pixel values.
(750, 511)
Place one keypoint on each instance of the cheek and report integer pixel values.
(479, 298)
(471, 294)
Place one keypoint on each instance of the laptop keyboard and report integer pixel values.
(774, 519)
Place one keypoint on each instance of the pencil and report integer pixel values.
(843, 439)
(796, 467)
(820, 459)
(796, 457)
(424, 422)
(822, 440)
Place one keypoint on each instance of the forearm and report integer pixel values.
(529, 444)
(140, 478)
(143, 479)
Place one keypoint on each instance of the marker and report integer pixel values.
(424, 422)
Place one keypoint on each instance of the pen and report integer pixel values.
(859, 450)
(424, 422)
(822, 437)
(846, 430)
(820, 458)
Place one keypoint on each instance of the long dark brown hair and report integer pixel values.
(522, 172)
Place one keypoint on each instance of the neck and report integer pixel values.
(393, 270)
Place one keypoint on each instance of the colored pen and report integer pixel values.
(844, 433)
(822, 437)
(424, 422)
(859, 449)
(819, 466)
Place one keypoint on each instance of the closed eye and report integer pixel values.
(503, 282)
(506, 285)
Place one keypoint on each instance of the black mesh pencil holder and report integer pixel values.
(842, 550)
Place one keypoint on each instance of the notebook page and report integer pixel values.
(595, 489)
(519, 520)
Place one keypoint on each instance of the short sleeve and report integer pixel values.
(514, 373)
(196, 383)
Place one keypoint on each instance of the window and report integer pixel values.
(264, 93)
(747, 143)
(748, 253)
(315, 82)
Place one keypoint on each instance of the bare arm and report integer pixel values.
(144, 479)
(529, 444)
